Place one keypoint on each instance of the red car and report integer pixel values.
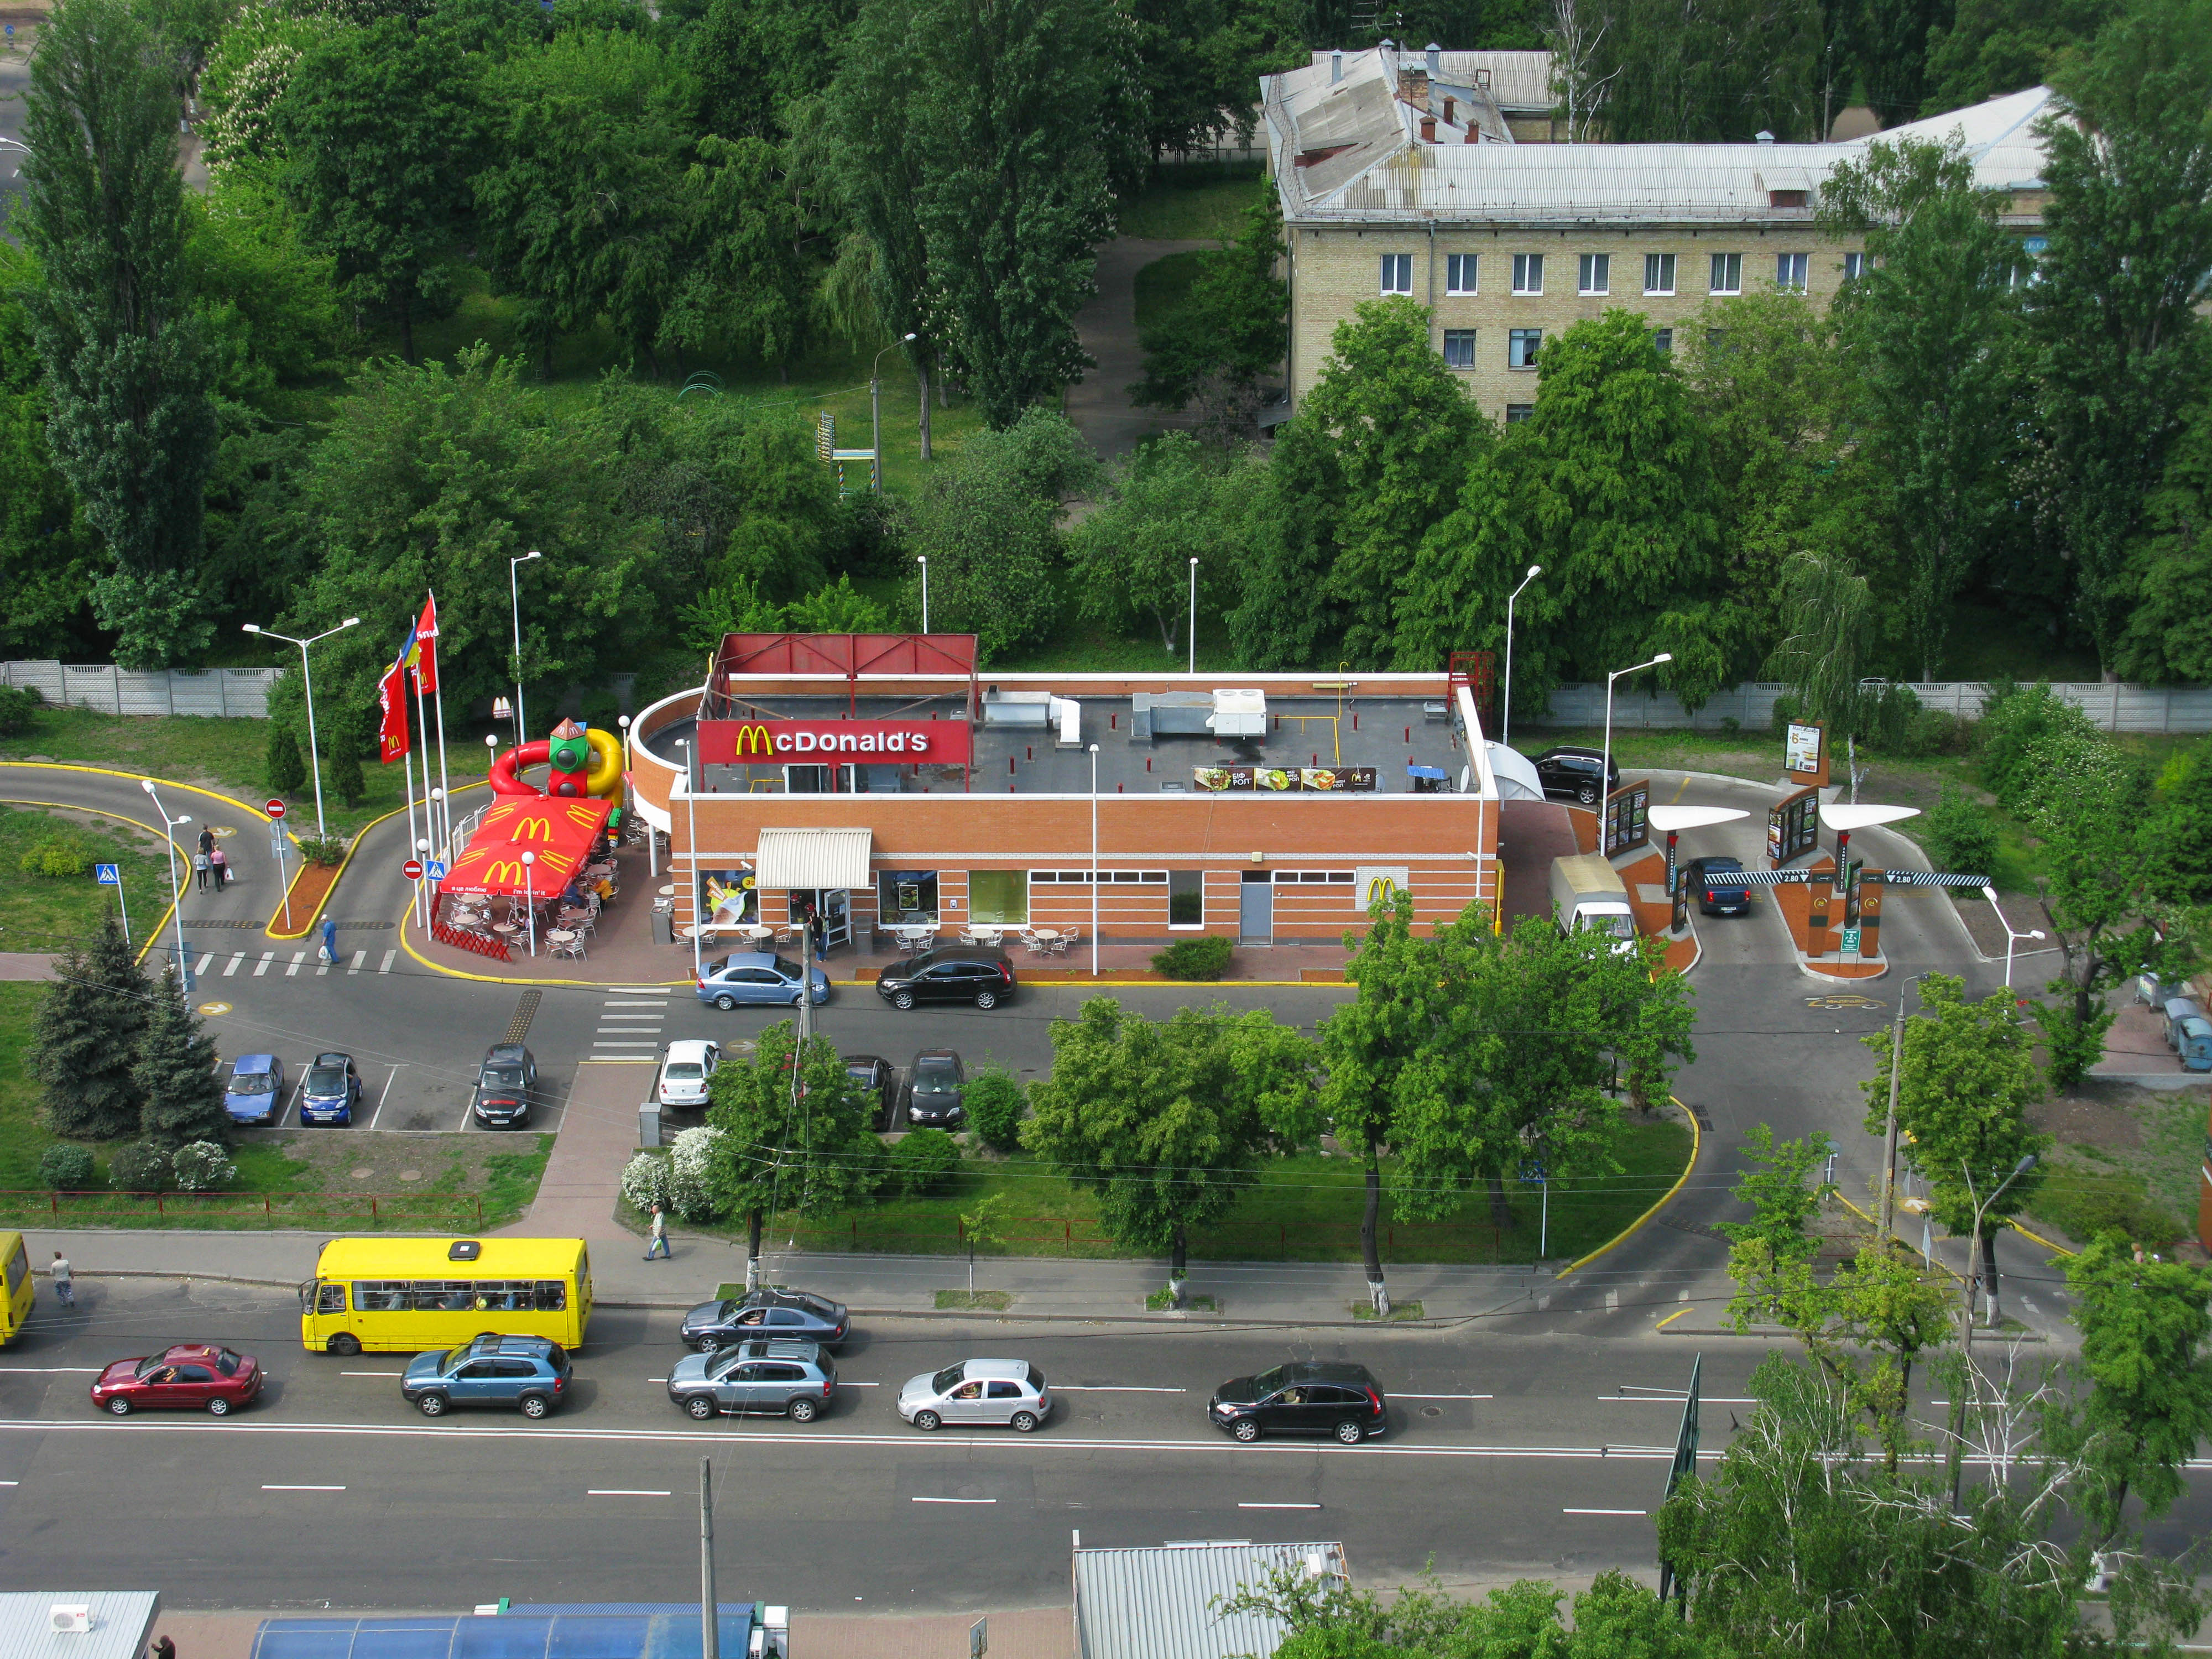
(190, 1376)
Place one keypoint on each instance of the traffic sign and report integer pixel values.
(275, 809)
(412, 869)
(107, 875)
(1851, 940)
(436, 867)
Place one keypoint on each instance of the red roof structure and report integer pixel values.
(559, 832)
(847, 656)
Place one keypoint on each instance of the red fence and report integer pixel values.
(187, 1207)
(466, 939)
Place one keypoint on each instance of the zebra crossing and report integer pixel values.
(630, 1020)
(267, 959)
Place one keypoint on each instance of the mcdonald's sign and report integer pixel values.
(1383, 882)
(819, 743)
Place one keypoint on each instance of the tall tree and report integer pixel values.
(1702, 71)
(128, 414)
(1172, 502)
(2124, 351)
(180, 1091)
(1887, 42)
(87, 1036)
(745, 283)
(795, 1137)
(48, 558)
(2168, 636)
(1991, 47)
(1197, 61)
(1231, 331)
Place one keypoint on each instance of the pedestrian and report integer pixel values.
(659, 1245)
(164, 1648)
(203, 867)
(207, 839)
(330, 941)
(221, 869)
(65, 1287)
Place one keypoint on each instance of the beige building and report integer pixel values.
(1431, 176)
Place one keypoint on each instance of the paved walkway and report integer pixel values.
(1099, 405)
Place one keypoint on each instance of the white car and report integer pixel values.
(685, 1071)
(978, 1391)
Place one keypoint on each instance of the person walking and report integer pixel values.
(203, 867)
(65, 1287)
(207, 839)
(659, 1244)
(221, 869)
(330, 942)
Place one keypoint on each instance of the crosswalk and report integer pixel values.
(629, 1023)
(268, 958)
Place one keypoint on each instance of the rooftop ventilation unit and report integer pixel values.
(71, 1618)
(1239, 715)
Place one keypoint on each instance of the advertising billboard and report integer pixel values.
(816, 743)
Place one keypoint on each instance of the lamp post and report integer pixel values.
(691, 859)
(1505, 715)
(1972, 1277)
(530, 898)
(922, 559)
(2011, 938)
(876, 414)
(1193, 640)
(308, 686)
(1605, 772)
(514, 599)
(176, 892)
(1094, 860)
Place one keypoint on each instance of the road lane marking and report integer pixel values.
(1112, 1388)
(262, 967)
(372, 1373)
(388, 955)
(1399, 1393)
(1278, 1506)
(359, 957)
(49, 1371)
(268, 1488)
(955, 1500)
(298, 957)
(1670, 1319)
(1664, 1399)
(1601, 1512)
(11, 1483)
(206, 963)
(233, 965)
(622, 1491)
(626, 1045)
(385, 1095)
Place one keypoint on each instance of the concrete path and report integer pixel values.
(1099, 406)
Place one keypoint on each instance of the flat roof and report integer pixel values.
(121, 1621)
(430, 1258)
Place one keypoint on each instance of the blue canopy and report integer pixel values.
(1435, 772)
(649, 1630)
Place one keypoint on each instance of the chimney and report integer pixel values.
(1482, 79)
(1474, 135)
(1765, 137)
(1413, 84)
(1436, 61)
(1428, 129)
(1335, 67)
(1448, 110)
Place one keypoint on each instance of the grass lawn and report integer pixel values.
(50, 912)
(2126, 1157)
(1162, 285)
(1182, 209)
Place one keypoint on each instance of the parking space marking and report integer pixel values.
(381, 1098)
(612, 1003)
(291, 1100)
(233, 965)
(1116, 1388)
(386, 967)
(955, 1500)
(262, 967)
(622, 1491)
(49, 1370)
(1601, 1512)
(270, 1488)
(1400, 1394)
(625, 1045)
(298, 956)
(359, 957)
(372, 1373)
(1278, 1506)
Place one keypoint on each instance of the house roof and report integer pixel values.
(1164, 1603)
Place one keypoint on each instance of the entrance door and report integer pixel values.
(1256, 909)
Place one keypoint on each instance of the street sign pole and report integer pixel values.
(1684, 1463)
(111, 875)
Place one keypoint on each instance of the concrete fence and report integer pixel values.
(2115, 708)
(112, 690)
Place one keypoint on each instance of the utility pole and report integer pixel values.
(710, 1630)
(1889, 1133)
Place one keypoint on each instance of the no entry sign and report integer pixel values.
(275, 809)
(412, 869)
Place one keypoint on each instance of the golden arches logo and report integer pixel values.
(753, 739)
(506, 870)
(1383, 889)
(532, 830)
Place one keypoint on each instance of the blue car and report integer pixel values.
(331, 1089)
(255, 1093)
(525, 1373)
(757, 976)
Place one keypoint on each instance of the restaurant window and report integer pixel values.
(1186, 898)
(806, 780)
(1106, 878)
(906, 896)
(998, 897)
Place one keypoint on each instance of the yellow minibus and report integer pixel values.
(410, 1295)
(16, 1306)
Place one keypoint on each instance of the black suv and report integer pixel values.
(505, 1086)
(876, 1079)
(934, 1090)
(956, 973)
(1304, 1397)
(791, 1315)
(1572, 773)
(1716, 894)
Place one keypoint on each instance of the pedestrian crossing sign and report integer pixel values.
(107, 875)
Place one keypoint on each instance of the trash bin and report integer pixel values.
(663, 924)
(648, 1124)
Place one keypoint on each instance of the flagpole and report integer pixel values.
(445, 780)
(429, 811)
(407, 759)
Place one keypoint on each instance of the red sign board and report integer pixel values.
(831, 743)
(275, 809)
(412, 869)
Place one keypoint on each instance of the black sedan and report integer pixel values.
(1709, 883)
(793, 1315)
(936, 1090)
(505, 1086)
(1304, 1397)
(878, 1079)
(1571, 774)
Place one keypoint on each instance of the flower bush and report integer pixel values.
(202, 1166)
(690, 1157)
(645, 1182)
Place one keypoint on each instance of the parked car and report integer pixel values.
(783, 1379)
(686, 1069)
(1716, 894)
(331, 1089)
(255, 1093)
(529, 1373)
(1571, 774)
(190, 1376)
(1011, 1392)
(878, 1080)
(2193, 1043)
(1304, 1397)
(952, 972)
(2179, 1009)
(506, 1084)
(793, 1315)
(756, 976)
(934, 1090)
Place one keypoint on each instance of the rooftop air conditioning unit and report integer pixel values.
(1239, 715)
(71, 1618)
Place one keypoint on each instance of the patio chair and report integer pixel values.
(970, 936)
(1060, 946)
(1037, 946)
(572, 948)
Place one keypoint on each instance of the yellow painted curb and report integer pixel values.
(1670, 1320)
(102, 812)
(2039, 1238)
(352, 846)
(1697, 1142)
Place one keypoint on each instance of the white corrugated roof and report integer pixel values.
(1519, 81)
(122, 1620)
(1160, 1603)
(811, 858)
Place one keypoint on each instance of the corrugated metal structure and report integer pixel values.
(814, 858)
(119, 1623)
(613, 1631)
(1166, 1602)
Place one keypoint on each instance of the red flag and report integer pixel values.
(426, 659)
(392, 697)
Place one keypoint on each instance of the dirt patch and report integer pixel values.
(2098, 1115)
(2126, 1158)
(470, 1175)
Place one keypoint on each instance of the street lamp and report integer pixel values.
(176, 892)
(1605, 772)
(1972, 1276)
(514, 599)
(1094, 860)
(1505, 715)
(2011, 938)
(876, 413)
(922, 559)
(307, 684)
(530, 899)
(691, 860)
(1193, 640)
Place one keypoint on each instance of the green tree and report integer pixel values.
(795, 1137)
(268, 304)
(1196, 62)
(2122, 350)
(742, 287)
(996, 1104)
(1709, 70)
(1887, 43)
(286, 773)
(247, 77)
(1827, 629)
(87, 1036)
(1165, 1122)
(1229, 332)
(349, 734)
(1172, 501)
(127, 411)
(47, 558)
(1962, 836)
(1991, 47)
(180, 1091)
(2167, 636)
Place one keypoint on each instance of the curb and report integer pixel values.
(1696, 1146)
(330, 892)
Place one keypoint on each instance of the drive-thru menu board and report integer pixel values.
(1322, 780)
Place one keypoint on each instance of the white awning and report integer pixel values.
(813, 858)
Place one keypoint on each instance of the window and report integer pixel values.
(1082, 878)
(330, 1299)
(1459, 348)
(1397, 273)
(1789, 271)
(1459, 273)
(1521, 347)
(1596, 275)
(1728, 273)
(1314, 877)
(1005, 1390)
(1658, 273)
(1000, 896)
(1517, 413)
(1528, 273)
(1186, 898)
(1663, 338)
(906, 896)
(1854, 265)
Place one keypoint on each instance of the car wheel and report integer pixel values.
(803, 1411)
(1022, 1422)
(218, 1407)
(1586, 793)
(701, 1406)
(926, 1421)
(709, 1342)
(725, 1002)
(432, 1404)
(344, 1345)
(119, 1406)
(1350, 1432)
(1247, 1428)
(536, 1405)
(902, 1001)
(987, 999)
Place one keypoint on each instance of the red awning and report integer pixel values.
(559, 832)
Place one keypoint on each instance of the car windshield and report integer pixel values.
(720, 1365)
(503, 1077)
(948, 1379)
(148, 1367)
(226, 1363)
(454, 1358)
(326, 1080)
(685, 1071)
(932, 1078)
(1272, 1379)
(253, 1083)
(786, 967)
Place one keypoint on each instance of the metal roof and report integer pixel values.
(635, 1631)
(814, 858)
(121, 1622)
(1161, 1604)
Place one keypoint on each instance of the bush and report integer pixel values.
(923, 1161)
(326, 850)
(19, 709)
(287, 772)
(996, 1102)
(1785, 710)
(645, 1182)
(201, 1166)
(2087, 1205)
(57, 855)
(141, 1167)
(66, 1167)
(689, 1156)
(1204, 958)
(1961, 835)
(2015, 720)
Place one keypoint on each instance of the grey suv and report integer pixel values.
(526, 1372)
(784, 1379)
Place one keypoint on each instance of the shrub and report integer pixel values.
(2087, 1205)
(923, 1161)
(1785, 710)
(141, 1167)
(19, 708)
(66, 1167)
(996, 1102)
(287, 772)
(2015, 718)
(1204, 958)
(326, 850)
(645, 1182)
(57, 855)
(1961, 835)
(689, 1156)
(201, 1166)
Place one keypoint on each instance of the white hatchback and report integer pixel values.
(685, 1071)
(1011, 1392)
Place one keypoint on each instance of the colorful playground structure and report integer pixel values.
(582, 762)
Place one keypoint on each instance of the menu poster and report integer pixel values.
(1321, 780)
(1802, 754)
(1627, 818)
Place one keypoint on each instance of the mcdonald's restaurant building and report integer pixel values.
(883, 781)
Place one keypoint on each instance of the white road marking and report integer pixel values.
(49, 1371)
(206, 963)
(388, 955)
(381, 1099)
(11, 1483)
(955, 1500)
(1399, 1393)
(298, 1084)
(626, 1045)
(270, 1488)
(321, 966)
(359, 957)
(1663, 1399)
(298, 956)
(233, 965)
(372, 1373)
(262, 967)
(1601, 1512)
(1111, 1387)
(1278, 1506)
(622, 1491)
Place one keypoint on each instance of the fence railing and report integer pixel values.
(377, 1208)
(2115, 706)
(111, 691)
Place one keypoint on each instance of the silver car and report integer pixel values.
(975, 1391)
(783, 1379)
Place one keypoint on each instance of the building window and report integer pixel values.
(1397, 273)
(1855, 266)
(1596, 275)
(1728, 273)
(1314, 877)
(1522, 346)
(1663, 338)
(1658, 273)
(1517, 413)
(1459, 273)
(1459, 348)
(1187, 897)
(1106, 878)
(998, 897)
(906, 896)
(1528, 273)
(1789, 271)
